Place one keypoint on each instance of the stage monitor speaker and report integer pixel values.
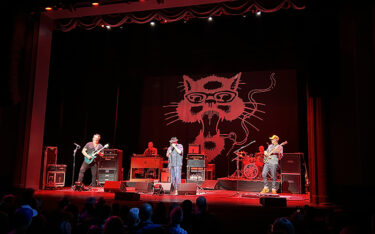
(144, 187)
(291, 163)
(273, 201)
(114, 186)
(210, 185)
(166, 187)
(187, 189)
(291, 183)
(127, 196)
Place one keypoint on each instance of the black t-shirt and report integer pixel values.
(90, 148)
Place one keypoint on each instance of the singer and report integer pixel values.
(175, 155)
(89, 148)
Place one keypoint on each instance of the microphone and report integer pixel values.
(78, 146)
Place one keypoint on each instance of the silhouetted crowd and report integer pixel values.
(23, 213)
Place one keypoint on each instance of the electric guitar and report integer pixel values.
(267, 155)
(93, 155)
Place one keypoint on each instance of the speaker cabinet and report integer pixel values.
(166, 187)
(55, 175)
(114, 186)
(210, 185)
(273, 201)
(107, 175)
(165, 176)
(49, 157)
(291, 163)
(144, 187)
(187, 189)
(291, 183)
(127, 196)
(110, 166)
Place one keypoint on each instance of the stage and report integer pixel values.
(245, 209)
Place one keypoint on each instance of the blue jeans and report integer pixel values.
(175, 176)
(272, 168)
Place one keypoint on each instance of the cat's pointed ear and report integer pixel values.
(235, 81)
(187, 82)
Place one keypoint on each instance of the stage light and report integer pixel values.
(152, 23)
(95, 4)
(108, 27)
(259, 13)
(102, 25)
(48, 8)
(210, 19)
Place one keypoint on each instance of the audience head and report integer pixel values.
(176, 216)
(133, 217)
(113, 225)
(283, 225)
(24, 215)
(201, 204)
(187, 206)
(145, 212)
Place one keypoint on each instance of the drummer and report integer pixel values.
(259, 156)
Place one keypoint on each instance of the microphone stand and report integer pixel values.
(238, 172)
(74, 163)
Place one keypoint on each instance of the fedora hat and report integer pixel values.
(173, 139)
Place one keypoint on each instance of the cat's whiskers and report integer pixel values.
(255, 103)
(255, 109)
(169, 113)
(245, 113)
(243, 119)
(171, 117)
(172, 121)
(173, 105)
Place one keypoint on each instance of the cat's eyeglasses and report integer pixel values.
(221, 96)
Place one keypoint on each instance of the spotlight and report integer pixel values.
(210, 19)
(48, 8)
(152, 23)
(259, 13)
(95, 4)
(108, 27)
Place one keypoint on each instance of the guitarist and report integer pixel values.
(90, 148)
(271, 161)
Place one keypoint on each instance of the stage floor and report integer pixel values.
(222, 197)
(237, 211)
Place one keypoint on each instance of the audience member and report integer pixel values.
(175, 220)
(146, 225)
(113, 225)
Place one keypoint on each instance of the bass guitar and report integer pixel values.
(93, 155)
(267, 155)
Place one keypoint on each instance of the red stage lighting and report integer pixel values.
(95, 4)
(48, 8)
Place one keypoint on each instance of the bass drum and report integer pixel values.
(251, 171)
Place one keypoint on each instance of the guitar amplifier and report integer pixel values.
(195, 163)
(195, 156)
(110, 166)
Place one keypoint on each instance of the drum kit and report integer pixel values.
(251, 165)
